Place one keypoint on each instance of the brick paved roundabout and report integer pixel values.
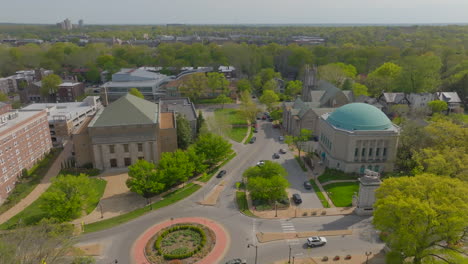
(216, 254)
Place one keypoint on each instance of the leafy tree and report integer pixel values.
(270, 85)
(337, 73)
(244, 85)
(136, 92)
(47, 241)
(438, 106)
(214, 147)
(293, 88)
(175, 167)
(423, 218)
(143, 179)
(217, 82)
(200, 121)
(197, 160)
(359, 89)
(420, 74)
(184, 132)
(194, 86)
(413, 138)
(93, 75)
(299, 140)
(451, 162)
(269, 98)
(264, 76)
(267, 182)
(3, 97)
(347, 85)
(67, 197)
(248, 108)
(384, 78)
(223, 99)
(50, 84)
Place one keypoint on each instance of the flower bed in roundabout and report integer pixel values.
(187, 242)
(182, 241)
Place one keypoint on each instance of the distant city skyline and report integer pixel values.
(236, 12)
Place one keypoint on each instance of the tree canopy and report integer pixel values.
(136, 92)
(423, 217)
(50, 84)
(184, 132)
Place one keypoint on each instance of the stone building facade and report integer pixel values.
(356, 137)
(127, 130)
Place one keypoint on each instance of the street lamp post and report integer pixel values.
(256, 251)
(289, 261)
(293, 259)
(367, 256)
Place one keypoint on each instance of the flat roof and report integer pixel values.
(69, 84)
(70, 110)
(167, 120)
(22, 116)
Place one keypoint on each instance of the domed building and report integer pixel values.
(356, 137)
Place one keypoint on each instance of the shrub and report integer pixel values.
(179, 253)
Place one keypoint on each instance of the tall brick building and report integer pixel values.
(24, 140)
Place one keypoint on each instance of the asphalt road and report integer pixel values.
(118, 241)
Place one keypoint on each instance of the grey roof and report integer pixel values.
(127, 110)
(449, 97)
(349, 95)
(322, 111)
(330, 91)
(179, 105)
(316, 95)
(393, 97)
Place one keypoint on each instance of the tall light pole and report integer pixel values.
(276, 208)
(256, 251)
(100, 207)
(367, 256)
(289, 261)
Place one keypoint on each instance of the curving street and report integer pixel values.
(117, 242)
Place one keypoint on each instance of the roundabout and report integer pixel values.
(188, 239)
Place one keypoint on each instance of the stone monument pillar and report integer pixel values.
(366, 198)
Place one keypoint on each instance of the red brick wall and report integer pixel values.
(21, 147)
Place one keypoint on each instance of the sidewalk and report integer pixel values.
(272, 236)
(355, 259)
(41, 187)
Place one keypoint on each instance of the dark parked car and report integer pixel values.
(255, 130)
(276, 156)
(307, 185)
(297, 198)
(270, 119)
(252, 140)
(237, 261)
(221, 174)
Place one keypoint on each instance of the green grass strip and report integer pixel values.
(341, 193)
(241, 198)
(320, 195)
(169, 199)
(301, 163)
(212, 172)
(334, 175)
(247, 141)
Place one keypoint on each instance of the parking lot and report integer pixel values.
(268, 140)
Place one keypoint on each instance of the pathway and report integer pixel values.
(42, 186)
(337, 181)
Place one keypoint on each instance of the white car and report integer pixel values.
(316, 241)
(261, 163)
(281, 138)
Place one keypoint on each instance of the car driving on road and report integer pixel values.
(316, 241)
(307, 185)
(276, 156)
(282, 151)
(252, 140)
(281, 138)
(221, 174)
(261, 163)
(237, 261)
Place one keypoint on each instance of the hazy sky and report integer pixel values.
(234, 11)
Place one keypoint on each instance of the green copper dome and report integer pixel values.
(359, 116)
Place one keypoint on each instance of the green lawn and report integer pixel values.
(242, 203)
(210, 101)
(237, 133)
(341, 193)
(169, 199)
(233, 116)
(331, 175)
(300, 162)
(320, 195)
(250, 136)
(26, 186)
(211, 172)
(33, 213)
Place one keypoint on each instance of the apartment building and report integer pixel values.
(24, 140)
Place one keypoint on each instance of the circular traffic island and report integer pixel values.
(180, 243)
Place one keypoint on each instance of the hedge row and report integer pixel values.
(168, 256)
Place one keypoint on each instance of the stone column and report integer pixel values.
(366, 198)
